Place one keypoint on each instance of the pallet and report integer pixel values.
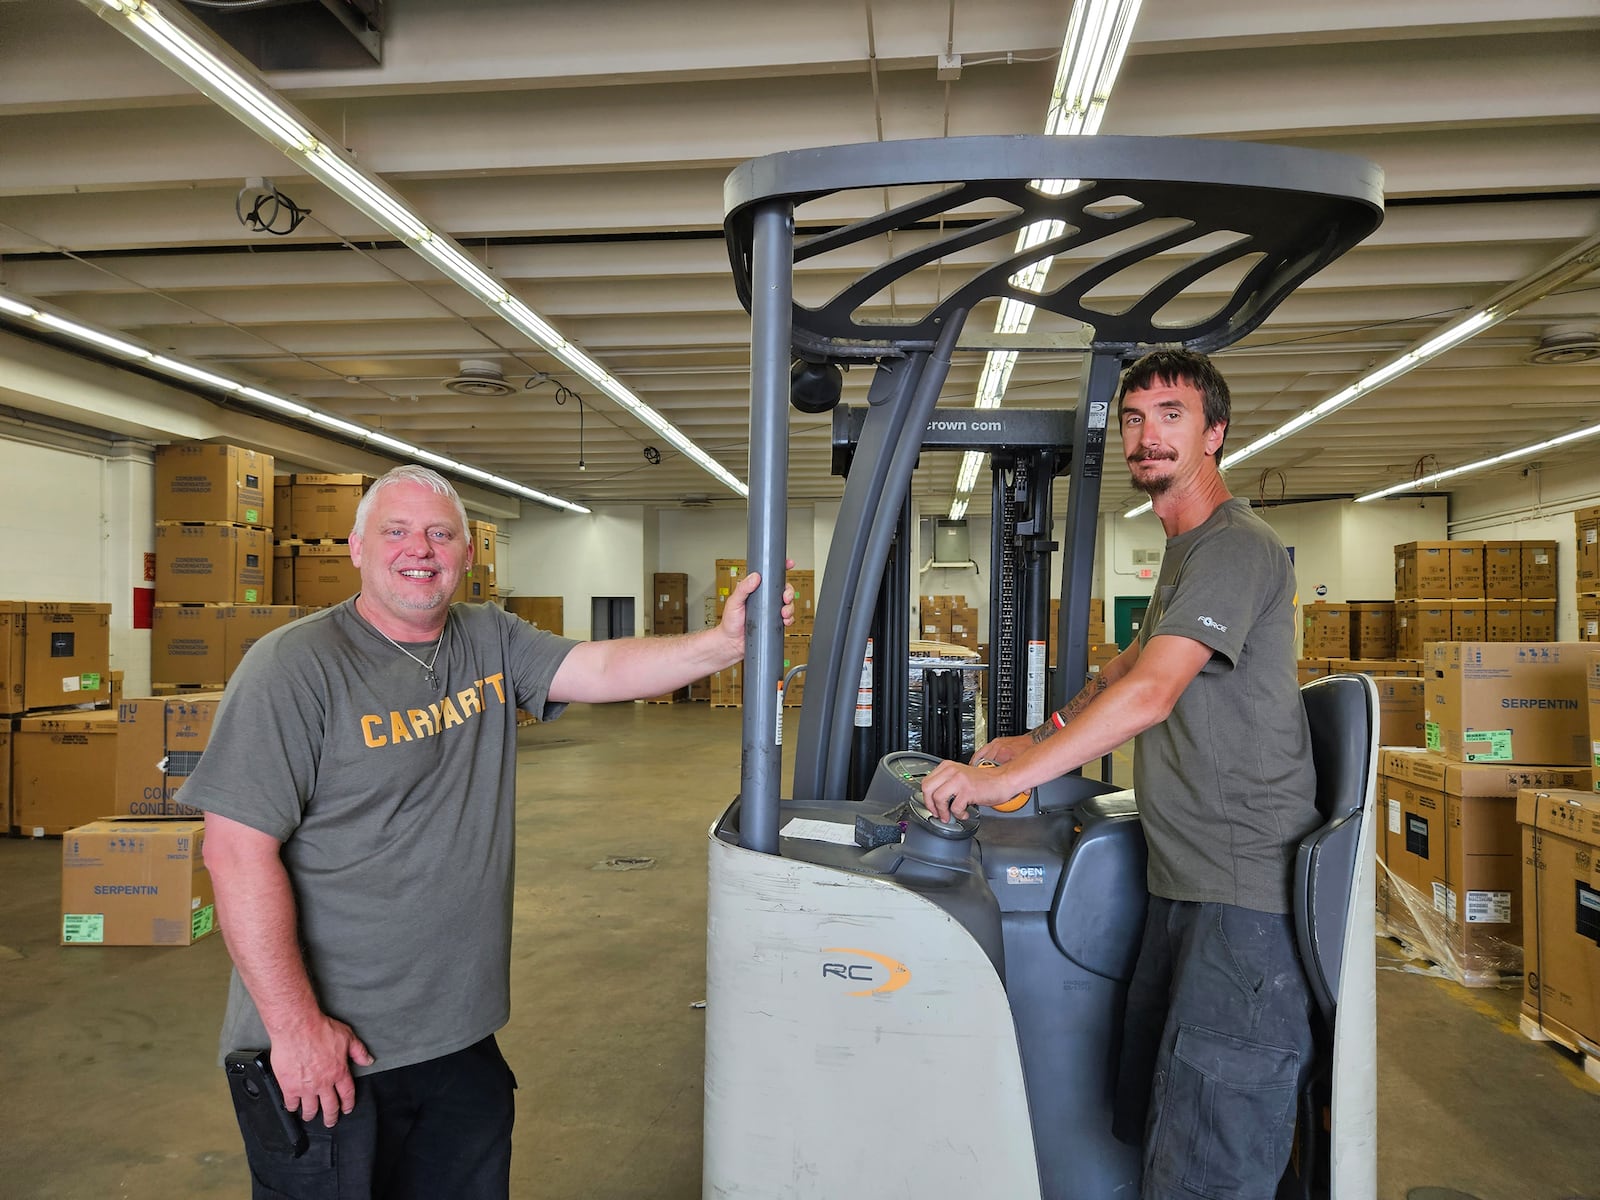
(312, 542)
(1452, 970)
(1536, 1032)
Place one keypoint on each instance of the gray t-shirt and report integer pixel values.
(395, 802)
(1226, 785)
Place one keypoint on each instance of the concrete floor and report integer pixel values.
(106, 1055)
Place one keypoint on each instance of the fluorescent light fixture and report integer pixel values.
(958, 507)
(187, 51)
(1098, 32)
(189, 373)
(1483, 464)
(1452, 335)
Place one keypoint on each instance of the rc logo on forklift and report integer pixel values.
(898, 974)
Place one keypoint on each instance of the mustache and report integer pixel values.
(1153, 456)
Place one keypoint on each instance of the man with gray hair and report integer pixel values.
(360, 800)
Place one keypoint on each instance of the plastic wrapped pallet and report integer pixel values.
(944, 699)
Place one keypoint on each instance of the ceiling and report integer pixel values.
(579, 150)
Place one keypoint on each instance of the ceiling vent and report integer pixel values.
(479, 377)
(1567, 344)
(695, 500)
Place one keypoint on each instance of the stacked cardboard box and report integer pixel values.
(311, 565)
(136, 881)
(63, 770)
(479, 584)
(669, 602)
(805, 601)
(1497, 717)
(1561, 918)
(796, 651)
(1451, 851)
(53, 654)
(1473, 591)
(1587, 530)
(159, 741)
(203, 645)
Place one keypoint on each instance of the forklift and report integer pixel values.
(903, 1007)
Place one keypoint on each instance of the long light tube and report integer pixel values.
(1574, 263)
(1098, 33)
(188, 55)
(189, 374)
(1483, 464)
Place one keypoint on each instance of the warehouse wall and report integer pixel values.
(76, 521)
(1345, 551)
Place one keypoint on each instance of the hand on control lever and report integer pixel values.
(951, 788)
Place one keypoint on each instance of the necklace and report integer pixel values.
(433, 678)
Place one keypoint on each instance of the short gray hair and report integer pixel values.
(408, 473)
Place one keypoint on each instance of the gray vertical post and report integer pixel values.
(771, 313)
(1083, 517)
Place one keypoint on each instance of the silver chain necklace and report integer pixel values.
(433, 678)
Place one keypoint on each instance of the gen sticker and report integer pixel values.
(1026, 875)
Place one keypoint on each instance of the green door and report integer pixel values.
(1127, 614)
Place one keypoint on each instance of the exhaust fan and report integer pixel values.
(479, 377)
(1567, 344)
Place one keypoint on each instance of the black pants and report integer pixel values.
(1216, 1046)
(435, 1129)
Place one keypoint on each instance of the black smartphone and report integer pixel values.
(259, 1100)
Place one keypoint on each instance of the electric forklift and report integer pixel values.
(899, 1006)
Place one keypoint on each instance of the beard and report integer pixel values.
(1152, 485)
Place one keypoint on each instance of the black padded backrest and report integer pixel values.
(1342, 711)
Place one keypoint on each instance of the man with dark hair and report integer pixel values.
(360, 800)
(1217, 1038)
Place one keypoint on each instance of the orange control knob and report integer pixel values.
(1013, 804)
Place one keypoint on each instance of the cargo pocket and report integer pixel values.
(1226, 1117)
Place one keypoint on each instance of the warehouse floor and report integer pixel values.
(106, 1055)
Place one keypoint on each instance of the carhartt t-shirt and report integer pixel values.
(1226, 785)
(395, 802)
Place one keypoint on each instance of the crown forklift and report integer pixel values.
(898, 1006)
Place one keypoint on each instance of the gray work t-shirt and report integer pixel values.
(1226, 785)
(395, 802)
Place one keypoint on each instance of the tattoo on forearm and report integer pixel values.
(1073, 709)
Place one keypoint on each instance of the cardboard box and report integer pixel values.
(1508, 702)
(324, 506)
(1327, 630)
(1539, 621)
(485, 538)
(1418, 622)
(1313, 668)
(1400, 709)
(136, 882)
(545, 612)
(670, 597)
(159, 741)
(208, 481)
(212, 564)
(477, 586)
(1587, 532)
(1372, 629)
(1561, 919)
(1588, 618)
(727, 687)
(1592, 682)
(53, 654)
(1502, 570)
(1467, 621)
(1430, 577)
(1539, 570)
(324, 575)
(244, 625)
(6, 821)
(729, 571)
(283, 574)
(188, 644)
(281, 500)
(964, 626)
(1466, 571)
(1502, 622)
(63, 770)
